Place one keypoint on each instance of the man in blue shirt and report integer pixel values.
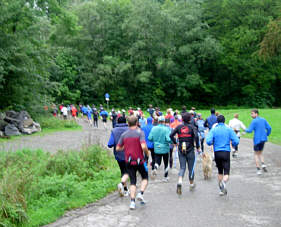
(220, 136)
(262, 130)
(116, 133)
(211, 120)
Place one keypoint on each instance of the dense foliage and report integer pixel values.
(200, 52)
(37, 187)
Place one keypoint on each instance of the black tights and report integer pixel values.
(158, 159)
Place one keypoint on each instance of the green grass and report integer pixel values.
(37, 187)
(273, 116)
(50, 125)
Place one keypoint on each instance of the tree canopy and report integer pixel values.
(199, 52)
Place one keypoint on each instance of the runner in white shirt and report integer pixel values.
(64, 112)
(236, 125)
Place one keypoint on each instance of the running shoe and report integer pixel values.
(223, 190)
(132, 205)
(179, 189)
(165, 179)
(126, 193)
(192, 186)
(140, 198)
(120, 189)
(259, 172)
(235, 154)
(154, 173)
(263, 166)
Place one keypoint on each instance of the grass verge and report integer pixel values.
(36, 187)
(272, 116)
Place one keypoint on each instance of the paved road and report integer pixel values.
(252, 200)
(66, 140)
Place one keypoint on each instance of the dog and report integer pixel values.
(207, 166)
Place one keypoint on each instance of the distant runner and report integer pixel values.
(104, 116)
(147, 129)
(236, 125)
(262, 130)
(211, 120)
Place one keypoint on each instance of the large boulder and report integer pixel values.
(3, 124)
(11, 130)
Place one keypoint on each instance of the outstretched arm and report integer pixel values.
(172, 135)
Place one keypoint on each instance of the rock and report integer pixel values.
(27, 123)
(11, 130)
(3, 124)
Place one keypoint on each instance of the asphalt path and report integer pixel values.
(251, 201)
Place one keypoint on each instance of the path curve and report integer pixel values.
(251, 201)
(64, 140)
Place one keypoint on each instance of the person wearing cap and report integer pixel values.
(160, 136)
(187, 135)
(220, 137)
(116, 133)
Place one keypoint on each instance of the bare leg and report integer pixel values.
(144, 184)
(133, 189)
(124, 179)
(257, 158)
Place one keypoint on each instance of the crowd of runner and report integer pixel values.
(139, 143)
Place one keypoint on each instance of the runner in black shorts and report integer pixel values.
(220, 136)
(222, 159)
(262, 130)
(132, 171)
(133, 143)
(116, 133)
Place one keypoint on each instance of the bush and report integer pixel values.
(56, 123)
(37, 187)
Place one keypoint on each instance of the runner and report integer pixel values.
(150, 110)
(183, 110)
(74, 112)
(142, 121)
(104, 116)
(160, 136)
(220, 136)
(113, 117)
(173, 125)
(169, 115)
(262, 130)
(133, 143)
(187, 135)
(96, 117)
(147, 129)
(212, 119)
(236, 125)
(64, 112)
(201, 130)
(168, 123)
(116, 133)
(89, 115)
(157, 112)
